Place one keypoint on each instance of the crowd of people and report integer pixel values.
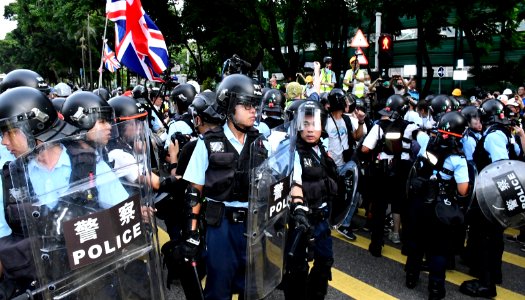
(194, 149)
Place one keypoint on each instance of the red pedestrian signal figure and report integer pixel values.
(386, 51)
(386, 44)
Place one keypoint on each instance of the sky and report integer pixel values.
(5, 25)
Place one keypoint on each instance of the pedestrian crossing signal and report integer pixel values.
(386, 51)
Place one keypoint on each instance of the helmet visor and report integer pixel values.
(16, 135)
(309, 118)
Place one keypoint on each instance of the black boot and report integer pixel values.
(436, 290)
(375, 249)
(475, 288)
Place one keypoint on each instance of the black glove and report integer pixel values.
(190, 248)
(299, 216)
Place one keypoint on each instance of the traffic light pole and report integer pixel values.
(378, 33)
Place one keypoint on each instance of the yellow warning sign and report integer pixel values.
(359, 40)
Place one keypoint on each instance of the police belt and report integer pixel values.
(236, 214)
(319, 214)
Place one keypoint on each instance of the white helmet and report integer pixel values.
(62, 90)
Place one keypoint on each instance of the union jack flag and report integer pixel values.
(140, 45)
(110, 60)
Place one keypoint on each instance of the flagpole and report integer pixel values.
(102, 54)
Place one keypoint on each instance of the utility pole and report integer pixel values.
(89, 51)
(378, 33)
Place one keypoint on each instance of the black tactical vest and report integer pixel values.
(319, 175)
(227, 177)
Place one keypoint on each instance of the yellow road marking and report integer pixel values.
(356, 288)
(508, 257)
(454, 277)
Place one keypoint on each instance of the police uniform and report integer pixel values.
(179, 126)
(425, 234)
(220, 163)
(316, 172)
(469, 141)
(389, 168)
(50, 184)
(485, 244)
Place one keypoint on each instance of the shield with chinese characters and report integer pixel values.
(271, 166)
(500, 190)
(85, 202)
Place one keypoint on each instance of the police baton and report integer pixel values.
(193, 264)
(300, 231)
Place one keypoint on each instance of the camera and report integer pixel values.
(237, 65)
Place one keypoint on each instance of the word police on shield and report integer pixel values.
(512, 193)
(96, 236)
(277, 200)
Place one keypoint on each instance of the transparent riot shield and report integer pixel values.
(500, 192)
(88, 226)
(271, 167)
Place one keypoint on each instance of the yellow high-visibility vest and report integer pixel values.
(326, 77)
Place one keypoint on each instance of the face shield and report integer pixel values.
(308, 117)
(16, 135)
(102, 120)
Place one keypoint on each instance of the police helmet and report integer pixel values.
(205, 106)
(102, 93)
(82, 109)
(58, 102)
(307, 109)
(273, 101)
(62, 89)
(140, 92)
(127, 108)
(327, 59)
(493, 111)
(395, 104)
(21, 104)
(439, 105)
(455, 103)
(183, 95)
(292, 109)
(337, 100)
(237, 89)
(470, 112)
(24, 77)
(452, 124)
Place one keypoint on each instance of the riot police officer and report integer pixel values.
(23, 112)
(314, 186)
(486, 237)
(272, 107)
(388, 144)
(439, 179)
(218, 170)
(181, 97)
(473, 134)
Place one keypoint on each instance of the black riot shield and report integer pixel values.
(272, 161)
(345, 199)
(500, 192)
(88, 226)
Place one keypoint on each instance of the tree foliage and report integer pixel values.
(279, 33)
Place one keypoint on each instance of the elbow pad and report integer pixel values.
(193, 196)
